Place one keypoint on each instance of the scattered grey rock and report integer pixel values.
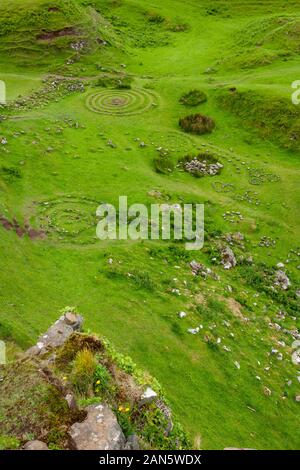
(203, 167)
(193, 331)
(281, 280)
(79, 45)
(228, 258)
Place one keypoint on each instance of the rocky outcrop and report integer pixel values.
(228, 258)
(281, 280)
(57, 334)
(99, 431)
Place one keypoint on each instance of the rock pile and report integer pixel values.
(281, 280)
(202, 167)
(198, 269)
(228, 258)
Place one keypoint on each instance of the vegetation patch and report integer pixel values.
(120, 82)
(197, 124)
(272, 117)
(193, 98)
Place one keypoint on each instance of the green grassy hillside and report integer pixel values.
(70, 148)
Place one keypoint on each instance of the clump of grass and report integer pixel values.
(82, 375)
(154, 17)
(193, 98)
(143, 280)
(163, 164)
(197, 124)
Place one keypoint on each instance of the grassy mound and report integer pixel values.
(264, 41)
(274, 118)
(193, 98)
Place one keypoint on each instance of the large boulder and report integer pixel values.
(57, 334)
(99, 431)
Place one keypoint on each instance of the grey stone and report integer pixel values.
(57, 334)
(35, 445)
(148, 396)
(281, 280)
(70, 399)
(228, 258)
(99, 431)
(132, 443)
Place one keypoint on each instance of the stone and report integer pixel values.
(132, 443)
(193, 331)
(297, 398)
(99, 431)
(35, 445)
(182, 314)
(57, 334)
(228, 258)
(267, 391)
(281, 280)
(148, 396)
(279, 265)
(73, 320)
(70, 399)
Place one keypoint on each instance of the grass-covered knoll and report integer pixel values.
(46, 33)
(273, 117)
(264, 41)
(132, 292)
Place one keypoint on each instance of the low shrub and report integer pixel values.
(193, 98)
(197, 124)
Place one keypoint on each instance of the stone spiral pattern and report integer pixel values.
(68, 219)
(121, 102)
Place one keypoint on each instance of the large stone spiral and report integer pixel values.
(121, 102)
